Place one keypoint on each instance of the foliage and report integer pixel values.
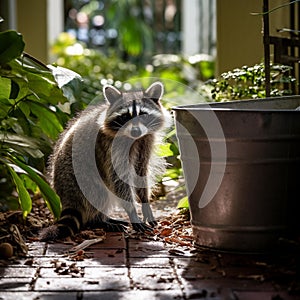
(134, 34)
(170, 151)
(190, 71)
(249, 82)
(183, 203)
(98, 68)
(30, 120)
(95, 67)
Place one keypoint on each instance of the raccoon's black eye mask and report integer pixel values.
(121, 120)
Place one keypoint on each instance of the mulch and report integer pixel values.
(174, 228)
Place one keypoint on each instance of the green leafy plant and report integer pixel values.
(95, 67)
(249, 82)
(30, 120)
(191, 71)
(134, 34)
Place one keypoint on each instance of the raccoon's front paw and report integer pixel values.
(141, 227)
(153, 223)
(148, 215)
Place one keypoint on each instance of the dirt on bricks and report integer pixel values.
(124, 267)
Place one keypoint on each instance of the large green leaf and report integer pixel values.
(183, 203)
(33, 63)
(11, 46)
(164, 150)
(24, 197)
(5, 85)
(29, 183)
(5, 106)
(36, 84)
(25, 108)
(68, 81)
(22, 144)
(19, 88)
(51, 198)
(46, 119)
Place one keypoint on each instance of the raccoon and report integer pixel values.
(105, 159)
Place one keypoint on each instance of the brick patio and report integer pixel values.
(127, 268)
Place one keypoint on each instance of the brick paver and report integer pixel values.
(130, 269)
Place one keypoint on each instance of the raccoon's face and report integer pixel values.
(133, 114)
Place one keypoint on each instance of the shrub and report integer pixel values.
(30, 120)
(249, 82)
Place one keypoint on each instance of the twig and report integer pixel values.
(86, 244)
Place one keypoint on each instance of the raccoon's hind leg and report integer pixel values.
(108, 224)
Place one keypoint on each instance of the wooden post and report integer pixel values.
(266, 39)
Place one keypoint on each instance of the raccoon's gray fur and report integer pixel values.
(105, 158)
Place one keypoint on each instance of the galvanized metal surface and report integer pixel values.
(257, 200)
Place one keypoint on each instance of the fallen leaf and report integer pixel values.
(166, 232)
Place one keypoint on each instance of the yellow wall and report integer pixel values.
(32, 23)
(239, 34)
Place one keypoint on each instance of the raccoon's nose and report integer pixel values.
(136, 131)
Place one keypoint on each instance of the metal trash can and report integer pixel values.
(241, 162)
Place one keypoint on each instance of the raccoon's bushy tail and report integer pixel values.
(70, 223)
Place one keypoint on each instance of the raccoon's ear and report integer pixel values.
(111, 94)
(155, 91)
